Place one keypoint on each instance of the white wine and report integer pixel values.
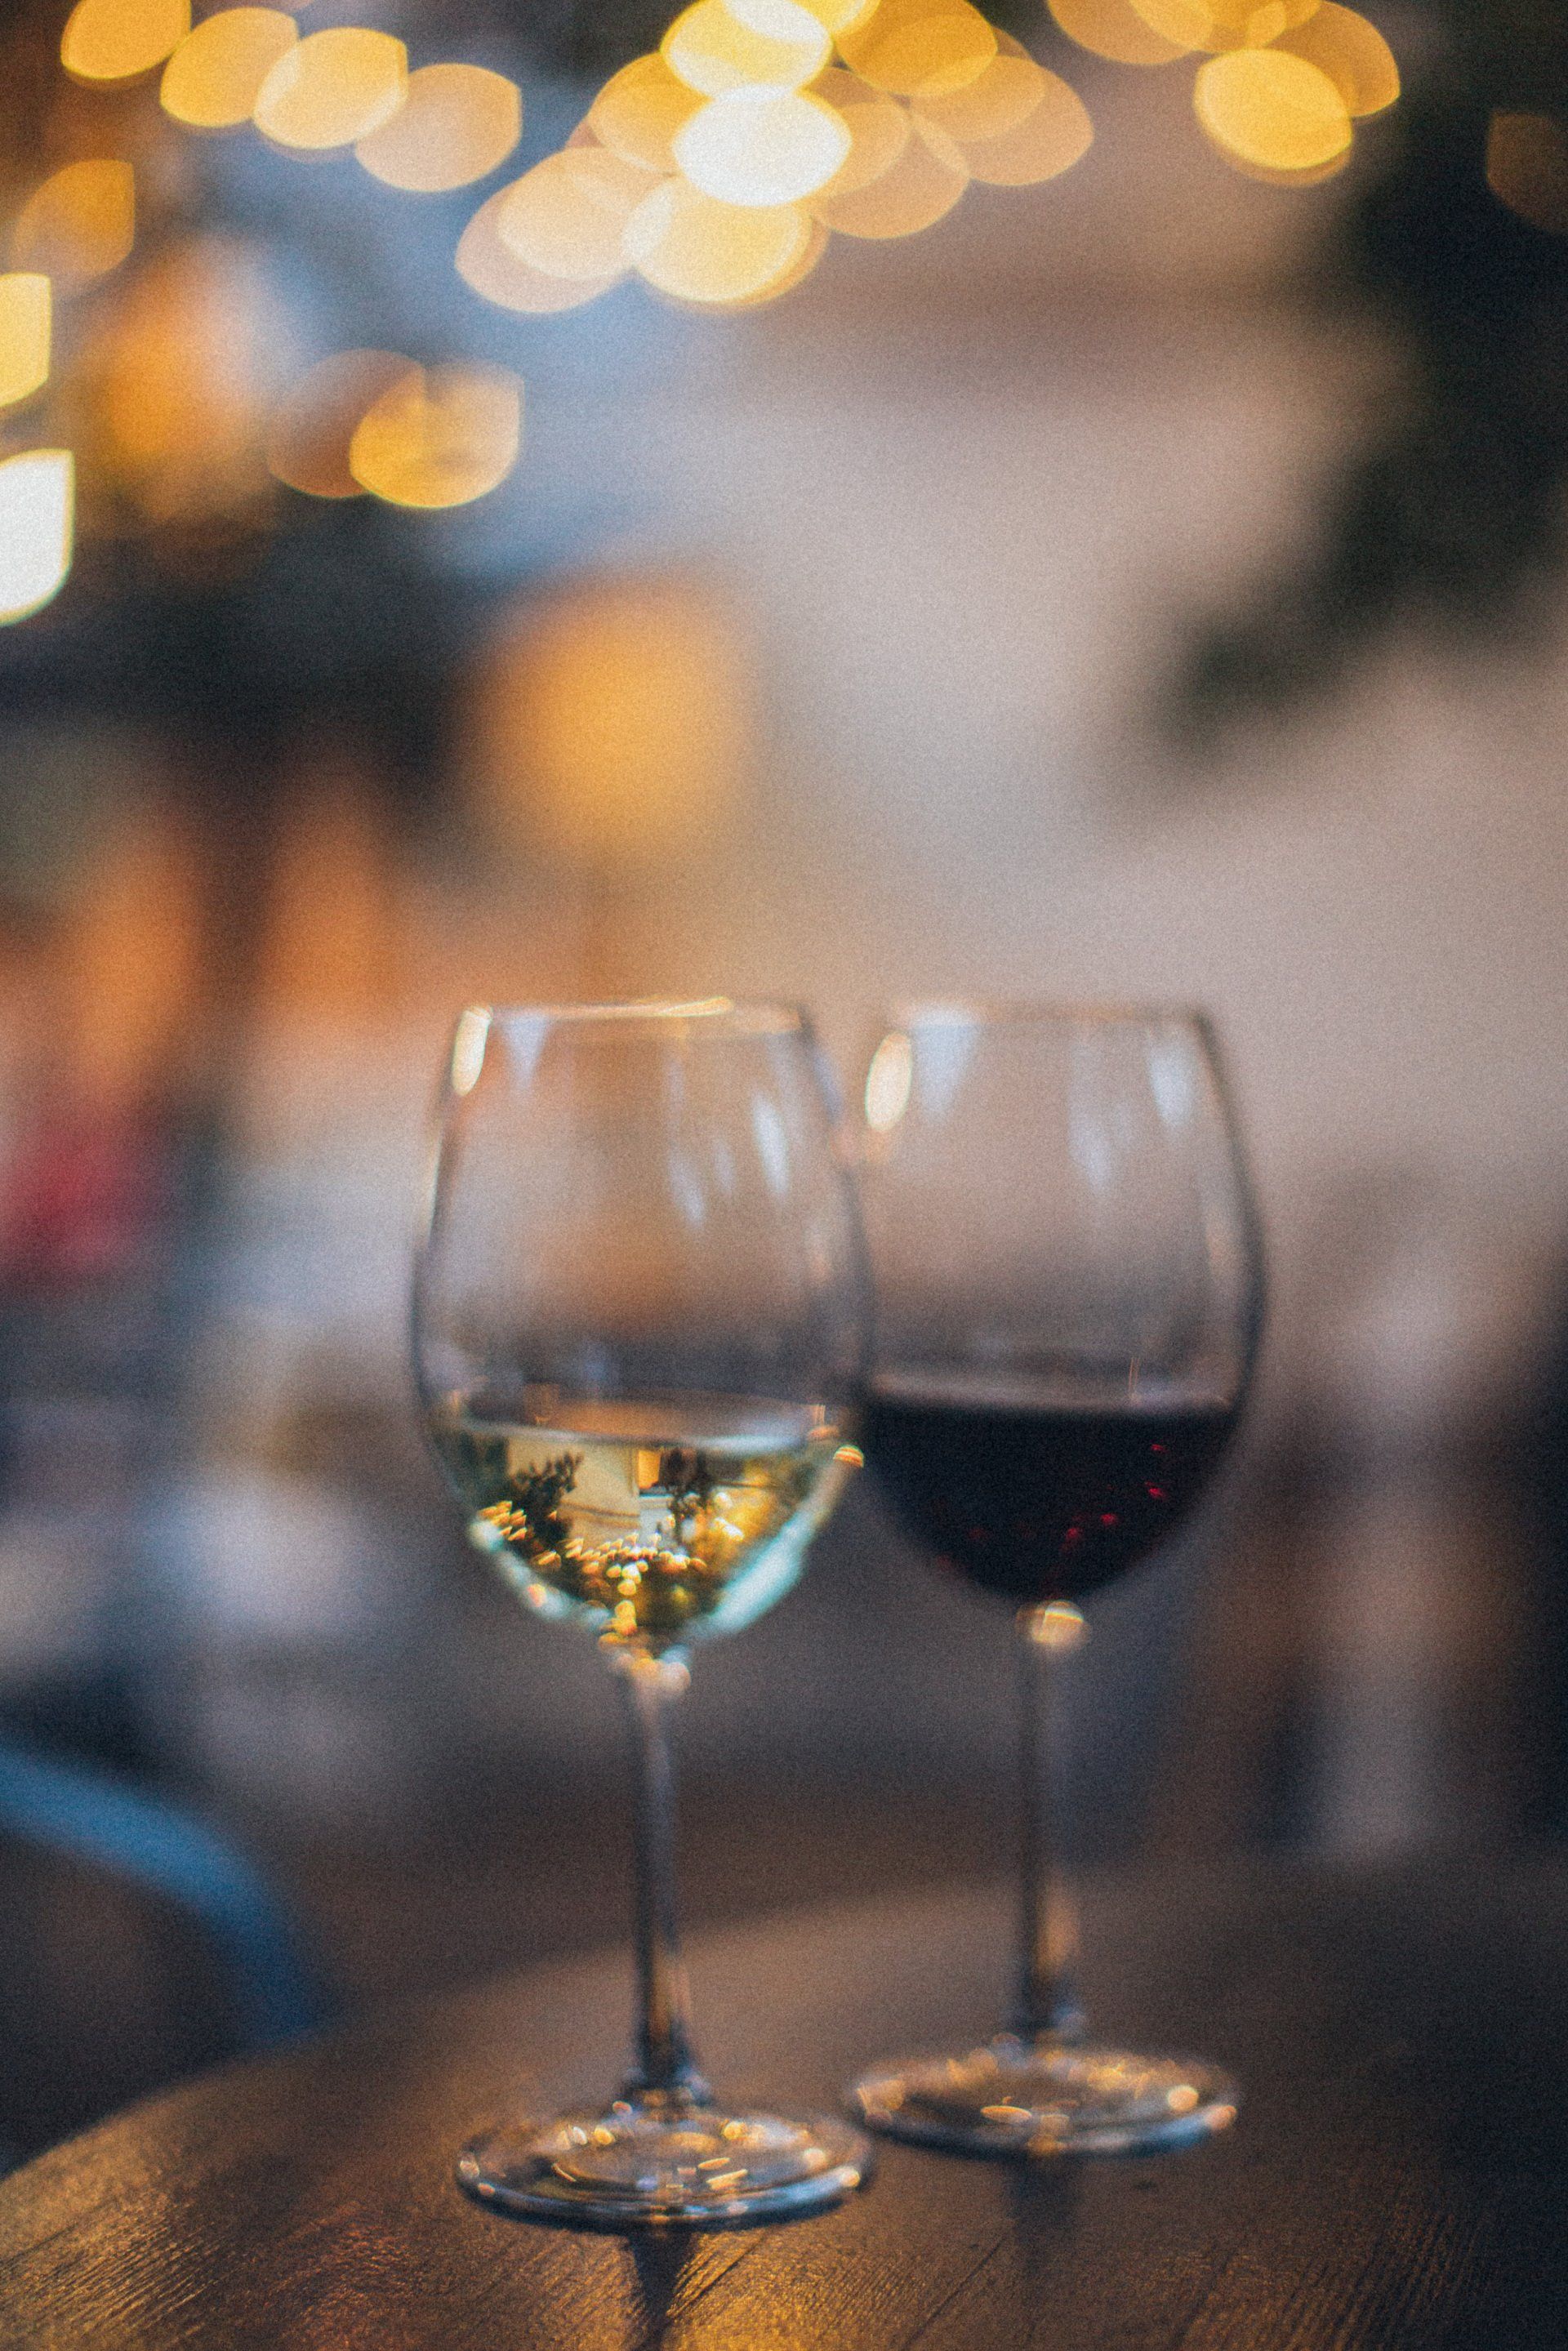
(653, 1522)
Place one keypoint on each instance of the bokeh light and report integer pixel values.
(567, 216)
(1049, 140)
(926, 182)
(80, 225)
(457, 124)
(487, 264)
(698, 249)
(1222, 25)
(995, 102)
(114, 40)
(920, 49)
(835, 16)
(38, 499)
(439, 437)
(1269, 108)
(1527, 168)
(639, 110)
(25, 332)
(711, 51)
(1353, 54)
(213, 78)
(1114, 28)
(614, 721)
(762, 147)
(878, 128)
(311, 432)
(333, 88)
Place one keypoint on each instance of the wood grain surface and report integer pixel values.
(1399, 2176)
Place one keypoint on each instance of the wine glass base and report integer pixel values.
(697, 2167)
(1020, 2098)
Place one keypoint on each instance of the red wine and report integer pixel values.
(1038, 1501)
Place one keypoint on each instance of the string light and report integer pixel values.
(37, 498)
(213, 78)
(25, 332)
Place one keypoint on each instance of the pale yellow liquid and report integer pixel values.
(653, 1523)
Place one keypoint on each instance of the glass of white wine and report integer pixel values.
(639, 1325)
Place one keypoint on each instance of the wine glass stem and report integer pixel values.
(667, 2073)
(1047, 2006)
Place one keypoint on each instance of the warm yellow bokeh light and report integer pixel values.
(310, 433)
(798, 272)
(1051, 138)
(439, 437)
(763, 147)
(567, 216)
(215, 77)
(639, 110)
(710, 49)
(878, 128)
(1114, 28)
(26, 310)
(490, 266)
(38, 501)
(114, 40)
(926, 182)
(994, 103)
(700, 250)
(835, 16)
(1353, 53)
(333, 88)
(80, 225)
(1527, 168)
(1269, 109)
(1222, 25)
(455, 125)
(920, 49)
(614, 723)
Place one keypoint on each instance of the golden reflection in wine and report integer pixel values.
(332, 87)
(762, 147)
(1351, 50)
(612, 721)
(457, 124)
(311, 430)
(80, 225)
(25, 334)
(920, 49)
(1114, 29)
(878, 128)
(711, 51)
(1527, 168)
(568, 217)
(1221, 25)
(37, 497)
(698, 249)
(639, 110)
(115, 40)
(926, 181)
(1049, 141)
(440, 436)
(489, 266)
(213, 78)
(1271, 109)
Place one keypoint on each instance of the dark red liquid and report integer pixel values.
(1040, 1502)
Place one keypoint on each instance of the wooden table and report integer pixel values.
(1399, 2176)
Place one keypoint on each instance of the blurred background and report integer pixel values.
(1145, 582)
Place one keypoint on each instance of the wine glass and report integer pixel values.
(640, 1312)
(1067, 1290)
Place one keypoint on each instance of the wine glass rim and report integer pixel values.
(730, 1016)
(1024, 1012)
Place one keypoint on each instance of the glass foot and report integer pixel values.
(695, 2167)
(1016, 2097)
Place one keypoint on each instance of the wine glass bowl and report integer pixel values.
(640, 1316)
(1068, 1299)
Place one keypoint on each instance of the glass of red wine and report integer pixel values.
(1068, 1285)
